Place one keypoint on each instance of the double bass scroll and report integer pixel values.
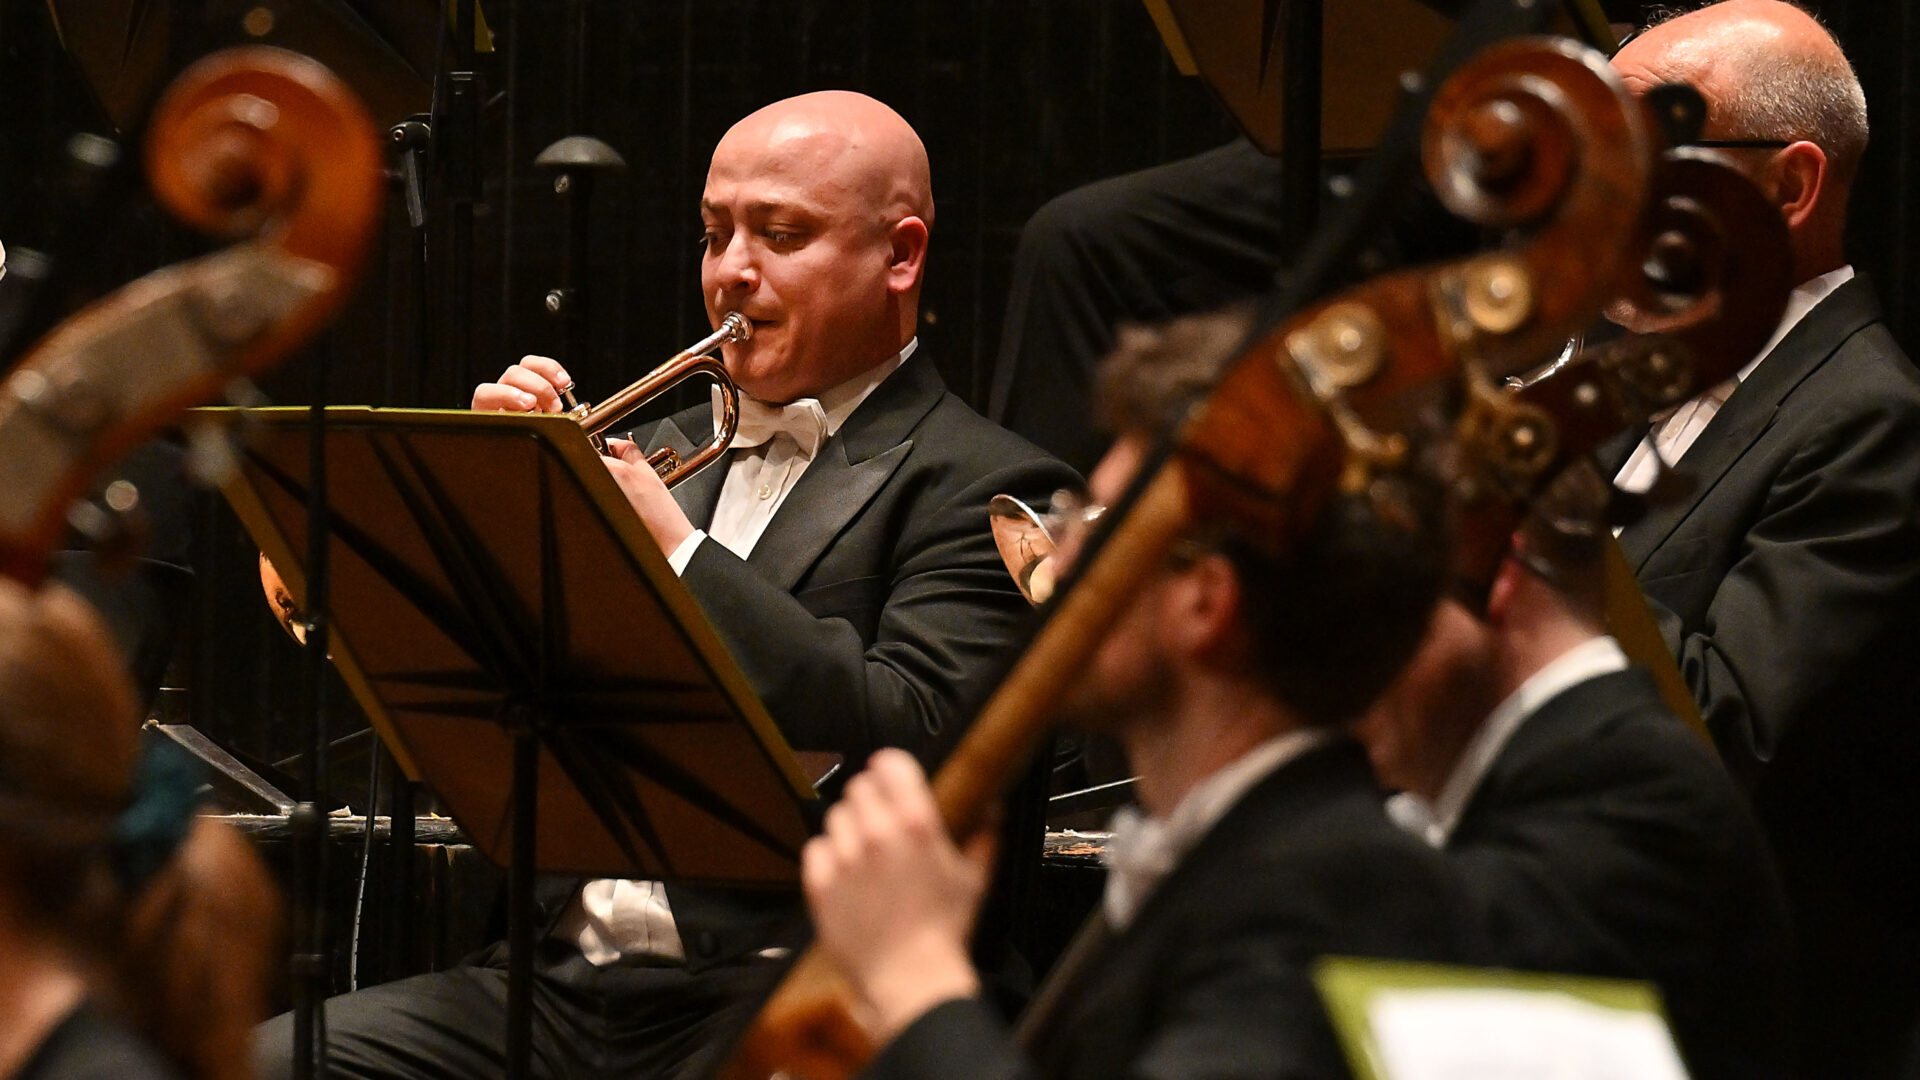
(254, 143)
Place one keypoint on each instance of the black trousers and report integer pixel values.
(1176, 239)
(1172, 240)
(622, 1021)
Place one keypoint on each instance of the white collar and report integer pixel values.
(1591, 658)
(1801, 300)
(1145, 849)
(839, 402)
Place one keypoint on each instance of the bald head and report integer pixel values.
(817, 211)
(1769, 71)
(69, 722)
(859, 145)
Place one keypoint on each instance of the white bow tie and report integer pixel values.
(804, 421)
(1138, 855)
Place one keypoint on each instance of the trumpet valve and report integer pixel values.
(664, 461)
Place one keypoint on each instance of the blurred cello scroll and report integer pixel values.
(257, 145)
(1536, 137)
(1716, 270)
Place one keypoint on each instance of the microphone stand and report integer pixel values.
(575, 161)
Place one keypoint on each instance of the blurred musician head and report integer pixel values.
(816, 212)
(180, 946)
(68, 736)
(1782, 101)
(1548, 597)
(1227, 636)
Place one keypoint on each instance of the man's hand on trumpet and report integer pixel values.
(650, 498)
(534, 385)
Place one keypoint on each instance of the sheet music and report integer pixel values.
(1505, 1034)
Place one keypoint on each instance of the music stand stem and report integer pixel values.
(526, 780)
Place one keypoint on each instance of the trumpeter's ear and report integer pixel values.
(907, 258)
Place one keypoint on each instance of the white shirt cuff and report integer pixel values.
(683, 554)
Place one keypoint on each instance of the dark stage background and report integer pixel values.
(1017, 100)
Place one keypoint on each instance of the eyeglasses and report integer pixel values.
(1742, 144)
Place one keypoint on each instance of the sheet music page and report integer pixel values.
(1505, 1034)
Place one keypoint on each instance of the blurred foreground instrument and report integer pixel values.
(257, 145)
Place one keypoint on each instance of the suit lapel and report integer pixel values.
(700, 493)
(822, 502)
(1748, 412)
(849, 471)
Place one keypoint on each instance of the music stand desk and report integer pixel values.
(522, 646)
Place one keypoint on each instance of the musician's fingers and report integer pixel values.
(899, 784)
(549, 369)
(818, 866)
(532, 382)
(498, 397)
(844, 833)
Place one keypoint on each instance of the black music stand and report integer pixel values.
(521, 645)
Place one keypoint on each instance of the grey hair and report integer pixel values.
(1790, 95)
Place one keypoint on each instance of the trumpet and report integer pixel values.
(695, 359)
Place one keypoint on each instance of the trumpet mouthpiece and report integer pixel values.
(737, 326)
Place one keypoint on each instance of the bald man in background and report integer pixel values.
(1787, 580)
(841, 551)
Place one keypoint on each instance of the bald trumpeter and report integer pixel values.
(841, 551)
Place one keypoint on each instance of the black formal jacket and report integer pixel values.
(1788, 585)
(874, 604)
(1605, 840)
(1212, 977)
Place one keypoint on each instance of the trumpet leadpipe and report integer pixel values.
(695, 359)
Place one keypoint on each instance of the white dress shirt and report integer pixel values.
(1435, 823)
(1145, 849)
(613, 919)
(765, 469)
(1673, 433)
